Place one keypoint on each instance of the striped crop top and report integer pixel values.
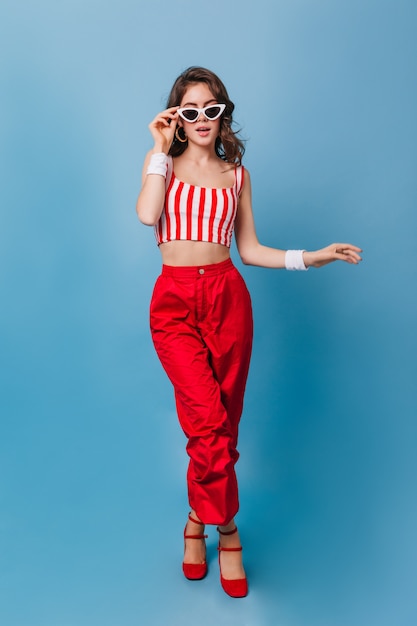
(198, 213)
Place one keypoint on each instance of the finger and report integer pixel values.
(170, 113)
(160, 119)
(165, 117)
(171, 110)
(347, 254)
(346, 246)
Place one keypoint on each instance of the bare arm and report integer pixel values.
(254, 253)
(151, 198)
(250, 250)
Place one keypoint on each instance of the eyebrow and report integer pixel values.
(193, 104)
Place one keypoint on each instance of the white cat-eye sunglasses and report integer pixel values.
(211, 112)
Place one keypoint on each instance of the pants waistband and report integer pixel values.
(190, 271)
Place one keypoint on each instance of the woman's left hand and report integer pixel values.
(335, 252)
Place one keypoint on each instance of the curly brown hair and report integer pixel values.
(228, 146)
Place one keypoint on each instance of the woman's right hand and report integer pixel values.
(163, 128)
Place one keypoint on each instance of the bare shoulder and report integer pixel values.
(246, 187)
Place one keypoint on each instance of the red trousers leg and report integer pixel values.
(201, 324)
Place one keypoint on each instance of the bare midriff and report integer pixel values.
(187, 253)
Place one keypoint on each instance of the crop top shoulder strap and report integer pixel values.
(170, 171)
(239, 173)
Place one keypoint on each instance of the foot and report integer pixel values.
(195, 549)
(230, 562)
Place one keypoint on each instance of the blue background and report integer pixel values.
(92, 462)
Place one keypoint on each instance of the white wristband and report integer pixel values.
(294, 260)
(158, 164)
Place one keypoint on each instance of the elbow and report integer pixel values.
(146, 220)
(245, 259)
(246, 255)
(146, 217)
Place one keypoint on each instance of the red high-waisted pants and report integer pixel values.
(201, 324)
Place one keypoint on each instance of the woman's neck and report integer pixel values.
(200, 155)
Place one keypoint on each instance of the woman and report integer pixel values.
(195, 193)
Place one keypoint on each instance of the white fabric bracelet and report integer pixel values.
(158, 164)
(294, 260)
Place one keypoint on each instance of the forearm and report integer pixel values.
(262, 256)
(152, 196)
(151, 199)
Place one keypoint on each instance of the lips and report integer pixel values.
(202, 129)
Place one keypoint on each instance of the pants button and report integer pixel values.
(201, 271)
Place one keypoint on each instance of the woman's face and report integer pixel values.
(203, 131)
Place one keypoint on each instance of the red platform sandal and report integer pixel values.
(194, 571)
(237, 588)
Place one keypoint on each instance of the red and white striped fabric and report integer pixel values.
(198, 213)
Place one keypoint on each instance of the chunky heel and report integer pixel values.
(194, 571)
(237, 588)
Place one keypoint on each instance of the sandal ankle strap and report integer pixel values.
(195, 536)
(227, 532)
(221, 549)
(195, 521)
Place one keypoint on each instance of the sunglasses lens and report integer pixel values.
(212, 112)
(190, 114)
